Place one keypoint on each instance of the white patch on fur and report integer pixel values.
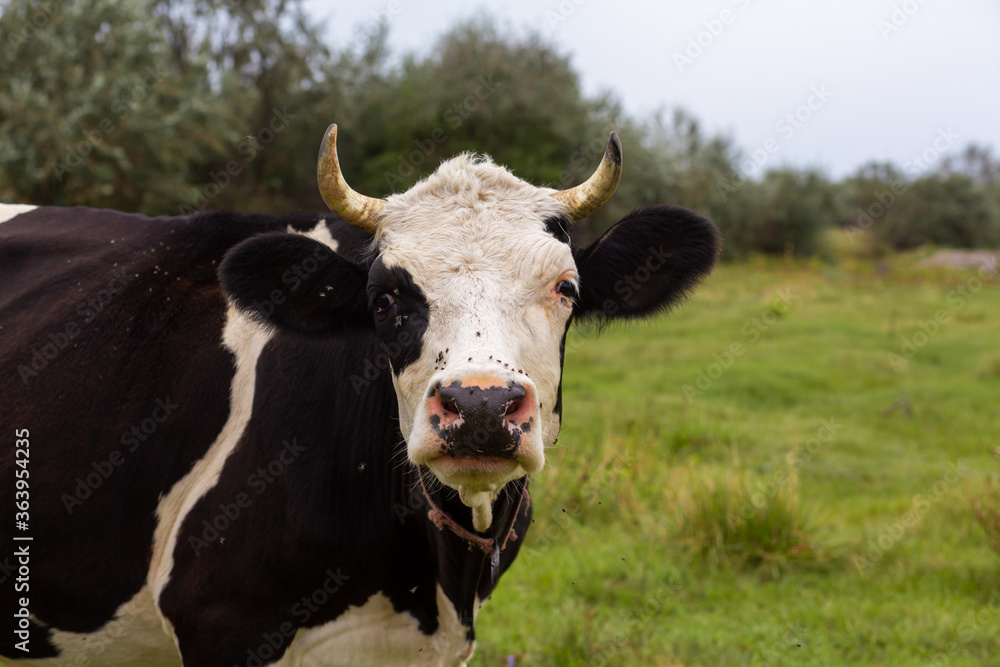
(134, 637)
(8, 211)
(245, 339)
(140, 635)
(149, 636)
(374, 634)
(473, 238)
(321, 233)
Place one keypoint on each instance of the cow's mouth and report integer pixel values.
(472, 468)
(478, 479)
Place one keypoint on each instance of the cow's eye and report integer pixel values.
(566, 288)
(383, 306)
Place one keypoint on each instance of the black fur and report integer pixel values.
(559, 227)
(401, 329)
(646, 263)
(344, 505)
(295, 283)
(155, 338)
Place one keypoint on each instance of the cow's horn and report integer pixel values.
(357, 209)
(587, 197)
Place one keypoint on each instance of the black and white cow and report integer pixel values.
(295, 440)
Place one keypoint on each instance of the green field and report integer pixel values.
(882, 561)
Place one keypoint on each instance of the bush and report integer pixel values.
(987, 513)
(737, 519)
(787, 212)
(953, 211)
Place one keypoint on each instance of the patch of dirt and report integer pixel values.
(962, 259)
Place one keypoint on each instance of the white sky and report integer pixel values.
(890, 94)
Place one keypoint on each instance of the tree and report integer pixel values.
(976, 162)
(91, 110)
(947, 210)
(481, 90)
(264, 61)
(787, 211)
(174, 106)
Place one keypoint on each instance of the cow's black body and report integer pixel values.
(345, 512)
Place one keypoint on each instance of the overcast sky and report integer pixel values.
(885, 78)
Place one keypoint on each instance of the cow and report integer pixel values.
(242, 439)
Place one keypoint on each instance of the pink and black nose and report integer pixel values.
(482, 417)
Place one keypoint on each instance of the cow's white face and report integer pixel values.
(466, 262)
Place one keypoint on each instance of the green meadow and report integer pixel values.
(781, 472)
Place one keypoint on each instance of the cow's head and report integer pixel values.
(470, 287)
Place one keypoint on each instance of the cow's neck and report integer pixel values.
(504, 530)
(470, 563)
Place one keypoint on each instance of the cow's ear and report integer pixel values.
(295, 283)
(646, 263)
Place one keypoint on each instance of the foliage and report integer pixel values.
(958, 205)
(261, 60)
(735, 518)
(174, 106)
(950, 211)
(91, 112)
(787, 212)
(507, 95)
(142, 105)
(987, 513)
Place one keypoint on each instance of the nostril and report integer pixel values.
(513, 407)
(447, 400)
(449, 405)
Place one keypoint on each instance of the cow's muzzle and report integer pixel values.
(481, 417)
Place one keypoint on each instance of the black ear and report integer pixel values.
(647, 262)
(295, 283)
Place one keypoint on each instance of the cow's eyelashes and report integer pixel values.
(566, 288)
(382, 305)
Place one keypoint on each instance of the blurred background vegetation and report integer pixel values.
(171, 106)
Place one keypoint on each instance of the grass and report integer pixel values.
(987, 511)
(870, 553)
(735, 518)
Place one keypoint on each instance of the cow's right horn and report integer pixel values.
(361, 211)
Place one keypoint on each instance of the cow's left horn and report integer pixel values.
(587, 197)
(361, 211)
